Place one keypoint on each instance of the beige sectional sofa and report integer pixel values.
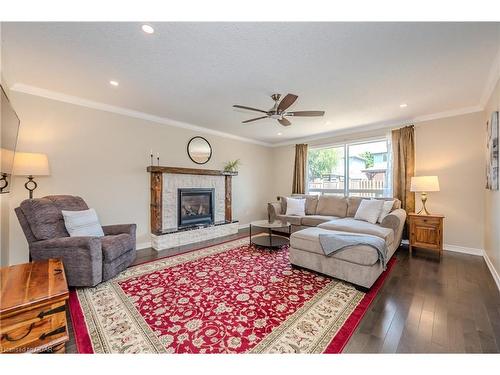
(328, 213)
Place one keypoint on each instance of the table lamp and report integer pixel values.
(30, 164)
(6, 162)
(423, 185)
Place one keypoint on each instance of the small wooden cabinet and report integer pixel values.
(33, 308)
(426, 231)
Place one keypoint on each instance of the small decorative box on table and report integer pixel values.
(33, 308)
(426, 231)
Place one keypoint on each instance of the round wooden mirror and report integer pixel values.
(199, 150)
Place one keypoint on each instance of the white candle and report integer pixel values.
(158, 155)
(151, 153)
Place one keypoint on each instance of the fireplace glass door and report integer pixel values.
(195, 207)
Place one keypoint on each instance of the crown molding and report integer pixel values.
(58, 96)
(61, 97)
(383, 125)
(491, 82)
(445, 114)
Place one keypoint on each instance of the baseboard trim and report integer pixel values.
(476, 252)
(143, 245)
(463, 250)
(457, 249)
(492, 269)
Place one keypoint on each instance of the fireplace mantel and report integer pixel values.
(178, 170)
(156, 206)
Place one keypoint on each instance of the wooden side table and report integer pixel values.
(33, 308)
(426, 231)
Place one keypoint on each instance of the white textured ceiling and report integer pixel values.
(359, 73)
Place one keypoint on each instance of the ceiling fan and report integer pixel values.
(278, 111)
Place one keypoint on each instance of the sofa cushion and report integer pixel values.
(44, 214)
(292, 219)
(82, 223)
(295, 206)
(353, 204)
(308, 240)
(314, 220)
(369, 210)
(386, 209)
(357, 226)
(332, 205)
(311, 203)
(115, 246)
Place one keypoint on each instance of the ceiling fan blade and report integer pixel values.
(286, 102)
(305, 113)
(254, 119)
(284, 122)
(249, 108)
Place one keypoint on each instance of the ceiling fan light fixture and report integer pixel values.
(279, 110)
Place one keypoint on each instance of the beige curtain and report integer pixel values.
(299, 171)
(403, 166)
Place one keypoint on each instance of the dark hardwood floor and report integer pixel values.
(426, 305)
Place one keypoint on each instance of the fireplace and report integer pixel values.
(195, 207)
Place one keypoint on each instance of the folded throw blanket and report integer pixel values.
(334, 242)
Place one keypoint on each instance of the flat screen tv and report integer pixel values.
(9, 124)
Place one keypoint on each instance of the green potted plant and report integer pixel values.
(232, 166)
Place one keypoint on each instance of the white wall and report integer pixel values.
(103, 156)
(451, 148)
(492, 198)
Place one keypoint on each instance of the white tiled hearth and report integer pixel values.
(166, 241)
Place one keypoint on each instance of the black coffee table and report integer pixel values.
(268, 239)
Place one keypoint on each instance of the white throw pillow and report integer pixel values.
(386, 208)
(295, 207)
(82, 223)
(369, 210)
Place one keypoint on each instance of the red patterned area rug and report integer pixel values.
(227, 298)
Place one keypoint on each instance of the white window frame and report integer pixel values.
(345, 145)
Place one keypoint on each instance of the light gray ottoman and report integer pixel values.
(358, 265)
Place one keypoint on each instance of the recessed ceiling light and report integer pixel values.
(114, 83)
(148, 29)
(403, 105)
(280, 133)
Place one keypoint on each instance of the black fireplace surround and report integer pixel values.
(195, 207)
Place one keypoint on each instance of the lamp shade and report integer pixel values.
(31, 164)
(424, 184)
(7, 160)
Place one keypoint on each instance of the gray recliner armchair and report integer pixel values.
(87, 260)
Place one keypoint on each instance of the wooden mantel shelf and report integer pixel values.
(178, 170)
(157, 176)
